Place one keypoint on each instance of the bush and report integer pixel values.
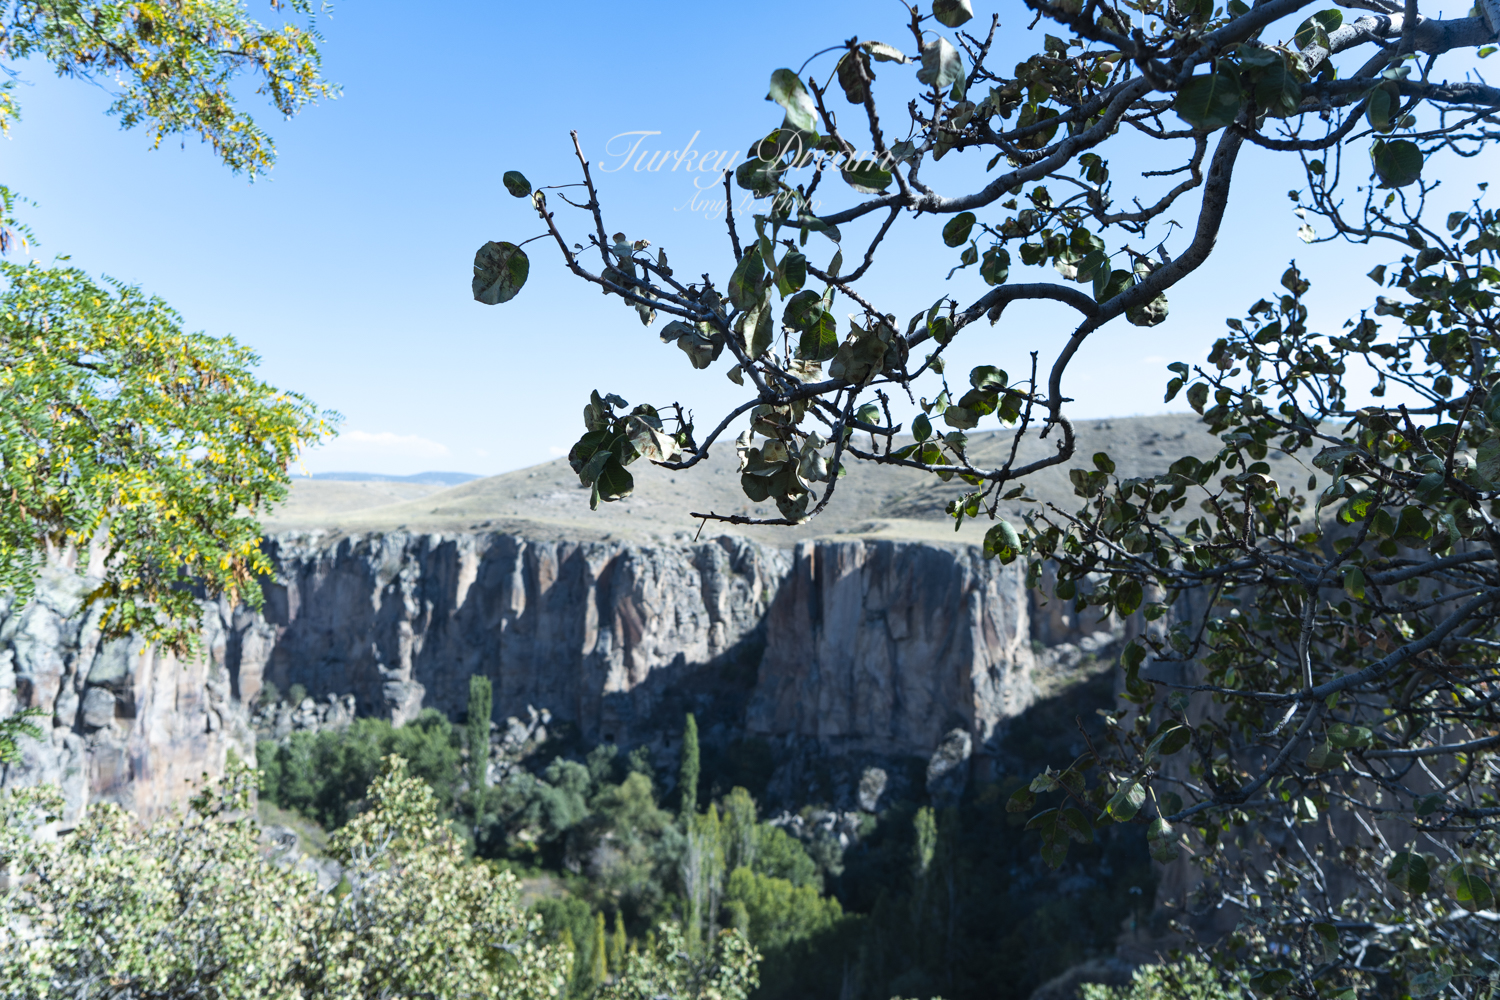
(1190, 979)
(326, 775)
(189, 908)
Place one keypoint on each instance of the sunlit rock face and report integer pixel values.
(121, 722)
(866, 648)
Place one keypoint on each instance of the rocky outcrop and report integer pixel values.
(122, 721)
(866, 648)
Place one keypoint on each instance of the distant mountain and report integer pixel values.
(445, 478)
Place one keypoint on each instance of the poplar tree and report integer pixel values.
(481, 705)
(599, 967)
(687, 773)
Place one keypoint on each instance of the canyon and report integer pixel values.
(867, 644)
(861, 650)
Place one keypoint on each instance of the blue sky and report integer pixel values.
(348, 268)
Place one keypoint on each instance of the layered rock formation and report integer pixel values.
(123, 722)
(864, 648)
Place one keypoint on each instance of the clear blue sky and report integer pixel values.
(348, 268)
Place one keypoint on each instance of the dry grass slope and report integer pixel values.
(546, 500)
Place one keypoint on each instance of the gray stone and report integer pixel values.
(98, 708)
(871, 787)
(111, 666)
(948, 767)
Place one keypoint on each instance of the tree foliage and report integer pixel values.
(1197, 82)
(174, 64)
(147, 448)
(1310, 704)
(189, 907)
(147, 451)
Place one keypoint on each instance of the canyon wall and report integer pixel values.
(846, 647)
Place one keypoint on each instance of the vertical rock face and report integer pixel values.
(594, 632)
(122, 722)
(864, 647)
(884, 646)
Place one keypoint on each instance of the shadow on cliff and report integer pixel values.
(977, 915)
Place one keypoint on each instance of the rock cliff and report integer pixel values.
(868, 648)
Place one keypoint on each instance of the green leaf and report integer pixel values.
(921, 428)
(1108, 284)
(1277, 91)
(952, 13)
(1327, 20)
(820, 340)
(961, 418)
(849, 76)
(1103, 462)
(1001, 540)
(866, 176)
(1128, 597)
(1354, 582)
(1174, 739)
(1021, 800)
(1126, 801)
(1487, 460)
(745, 283)
(791, 273)
(956, 232)
(787, 90)
(1378, 107)
(1410, 873)
(1397, 163)
(1433, 981)
(764, 332)
(802, 310)
(516, 183)
(1468, 889)
(1271, 982)
(942, 66)
(1209, 102)
(500, 270)
(994, 266)
(1346, 737)
(1161, 842)
(881, 52)
(988, 378)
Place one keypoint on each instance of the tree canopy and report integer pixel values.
(142, 451)
(173, 64)
(1310, 697)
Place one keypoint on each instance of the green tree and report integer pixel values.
(599, 969)
(175, 66)
(619, 945)
(189, 908)
(1190, 979)
(481, 704)
(687, 771)
(128, 437)
(667, 968)
(149, 450)
(1310, 702)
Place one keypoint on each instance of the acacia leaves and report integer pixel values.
(500, 269)
(123, 434)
